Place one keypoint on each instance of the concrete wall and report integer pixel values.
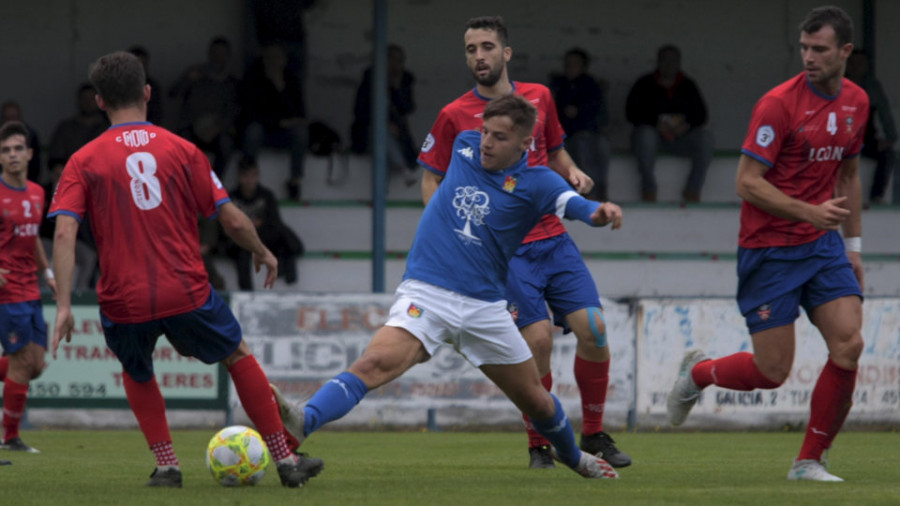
(736, 50)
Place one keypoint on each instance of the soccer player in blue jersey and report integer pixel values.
(454, 287)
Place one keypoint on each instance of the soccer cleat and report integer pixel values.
(810, 470)
(171, 478)
(291, 417)
(684, 392)
(602, 445)
(297, 473)
(591, 466)
(540, 458)
(17, 445)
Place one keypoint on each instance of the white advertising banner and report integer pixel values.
(303, 341)
(669, 327)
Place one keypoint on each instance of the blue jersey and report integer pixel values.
(477, 218)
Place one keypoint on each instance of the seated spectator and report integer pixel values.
(581, 106)
(72, 133)
(668, 113)
(209, 105)
(260, 205)
(86, 261)
(274, 112)
(11, 111)
(401, 148)
(881, 133)
(155, 105)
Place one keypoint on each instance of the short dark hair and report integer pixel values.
(246, 164)
(11, 128)
(494, 23)
(581, 53)
(667, 48)
(517, 108)
(119, 78)
(835, 17)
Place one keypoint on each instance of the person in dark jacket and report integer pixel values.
(668, 113)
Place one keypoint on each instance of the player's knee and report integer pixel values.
(595, 333)
(776, 374)
(846, 353)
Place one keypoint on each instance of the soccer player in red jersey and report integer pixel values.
(143, 188)
(799, 178)
(548, 268)
(23, 332)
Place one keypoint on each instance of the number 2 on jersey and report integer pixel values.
(145, 187)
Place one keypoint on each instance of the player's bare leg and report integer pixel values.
(592, 361)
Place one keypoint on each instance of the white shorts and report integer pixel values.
(482, 332)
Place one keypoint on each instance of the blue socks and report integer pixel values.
(559, 432)
(334, 400)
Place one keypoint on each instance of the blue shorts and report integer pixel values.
(209, 333)
(550, 271)
(774, 282)
(22, 323)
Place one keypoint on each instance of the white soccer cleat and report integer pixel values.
(292, 417)
(810, 470)
(684, 393)
(591, 466)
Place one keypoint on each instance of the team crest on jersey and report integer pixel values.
(428, 144)
(513, 311)
(765, 135)
(510, 184)
(414, 311)
(12, 337)
(849, 124)
(764, 312)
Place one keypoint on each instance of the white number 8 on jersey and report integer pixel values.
(145, 188)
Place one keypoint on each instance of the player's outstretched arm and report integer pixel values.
(607, 213)
(241, 230)
(64, 265)
(755, 189)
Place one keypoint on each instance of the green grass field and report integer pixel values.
(485, 468)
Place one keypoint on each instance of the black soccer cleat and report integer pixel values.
(169, 478)
(296, 474)
(17, 445)
(602, 445)
(541, 457)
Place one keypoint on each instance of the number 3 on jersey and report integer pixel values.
(145, 188)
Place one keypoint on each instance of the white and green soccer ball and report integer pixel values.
(237, 456)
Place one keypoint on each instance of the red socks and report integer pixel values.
(14, 396)
(829, 406)
(593, 380)
(536, 440)
(4, 366)
(149, 408)
(256, 397)
(737, 372)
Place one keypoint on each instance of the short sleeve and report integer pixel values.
(70, 197)
(209, 192)
(438, 145)
(769, 128)
(553, 130)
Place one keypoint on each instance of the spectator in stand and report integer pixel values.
(401, 149)
(12, 111)
(668, 113)
(274, 112)
(881, 133)
(260, 205)
(581, 106)
(155, 106)
(72, 133)
(208, 95)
